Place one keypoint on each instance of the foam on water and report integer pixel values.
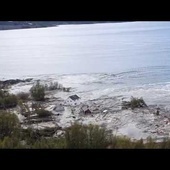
(128, 59)
(92, 86)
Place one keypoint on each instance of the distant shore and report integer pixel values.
(10, 25)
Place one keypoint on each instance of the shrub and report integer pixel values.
(82, 136)
(3, 93)
(139, 144)
(29, 135)
(56, 86)
(151, 144)
(121, 142)
(53, 86)
(35, 140)
(49, 143)
(66, 89)
(23, 96)
(38, 92)
(9, 124)
(7, 100)
(10, 101)
(43, 113)
(11, 143)
(134, 103)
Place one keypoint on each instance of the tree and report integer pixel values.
(38, 92)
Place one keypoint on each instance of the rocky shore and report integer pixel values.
(5, 84)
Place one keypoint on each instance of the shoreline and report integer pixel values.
(136, 124)
(14, 25)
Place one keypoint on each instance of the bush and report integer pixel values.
(34, 139)
(53, 86)
(3, 93)
(151, 144)
(10, 143)
(7, 100)
(66, 89)
(10, 101)
(121, 142)
(82, 136)
(43, 113)
(49, 143)
(56, 86)
(23, 96)
(134, 103)
(9, 124)
(38, 92)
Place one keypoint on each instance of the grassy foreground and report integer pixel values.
(76, 136)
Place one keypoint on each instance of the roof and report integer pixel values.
(74, 97)
(87, 111)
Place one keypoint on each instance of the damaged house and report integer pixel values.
(84, 110)
(73, 100)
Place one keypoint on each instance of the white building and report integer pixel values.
(73, 100)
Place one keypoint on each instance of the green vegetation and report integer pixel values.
(82, 136)
(9, 124)
(49, 143)
(38, 92)
(43, 113)
(56, 86)
(7, 100)
(134, 103)
(23, 96)
(76, 136)
(53, 86)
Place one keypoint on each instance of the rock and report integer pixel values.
(6, 83)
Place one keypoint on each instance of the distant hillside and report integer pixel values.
(7, 25)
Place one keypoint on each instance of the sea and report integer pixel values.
(103, 59)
